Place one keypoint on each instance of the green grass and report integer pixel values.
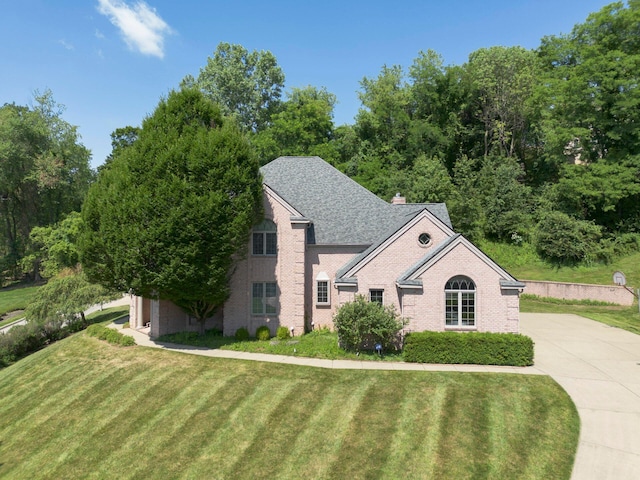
(317, 344)
(108, 315)
(82, 408)
(15, 298)
(523, 263)
(619, 316)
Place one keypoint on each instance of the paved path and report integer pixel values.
(599, 366)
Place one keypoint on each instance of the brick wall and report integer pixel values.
(327, 259)
(287, 269)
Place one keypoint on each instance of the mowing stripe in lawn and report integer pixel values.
(110, 395)
(238, 431)
(318, 446)
(418, 432)
(210, 401)
(102, 411)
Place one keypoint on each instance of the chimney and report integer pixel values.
(398, 200)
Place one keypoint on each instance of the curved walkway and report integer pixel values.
(598, 366)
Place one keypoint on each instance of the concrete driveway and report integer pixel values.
(599, 367)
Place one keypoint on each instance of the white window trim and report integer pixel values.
(323, 278)
(458, 325)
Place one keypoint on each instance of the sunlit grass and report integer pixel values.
(523, 263)
(316, 344)
(15, 298)
(82, 408)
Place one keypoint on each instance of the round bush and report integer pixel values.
(283, 333)
(242, 334)
(263, 333)
(362, 324)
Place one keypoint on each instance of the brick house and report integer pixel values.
(325, 239)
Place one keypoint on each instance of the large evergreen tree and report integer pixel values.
(173, 211)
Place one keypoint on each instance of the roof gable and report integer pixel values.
(359, 261)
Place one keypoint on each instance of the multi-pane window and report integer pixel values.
(264, 239)
(264, 298)
(322, 292)
(460, 302)
(376, 296)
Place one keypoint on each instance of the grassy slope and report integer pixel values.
(15, 298)
(522, 263)
(85, 409)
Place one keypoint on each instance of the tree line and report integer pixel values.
(534, 146)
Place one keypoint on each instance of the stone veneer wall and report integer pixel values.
(580, 291)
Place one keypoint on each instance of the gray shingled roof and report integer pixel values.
(342, 212)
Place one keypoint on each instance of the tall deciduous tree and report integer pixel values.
(174, 210)
(593, 85)
(304, 126)
(245, 84)
(44, 172)
(503, 79)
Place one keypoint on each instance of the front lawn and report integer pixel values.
(83, 408)
(317, 344)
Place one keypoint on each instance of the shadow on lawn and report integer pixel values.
(211, 339)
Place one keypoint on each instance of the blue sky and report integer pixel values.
(110, 61)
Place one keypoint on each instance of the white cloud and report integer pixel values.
(66, 44)
(99, 34)
(140, 25)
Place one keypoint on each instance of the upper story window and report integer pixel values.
(460, 302)
(264, 239)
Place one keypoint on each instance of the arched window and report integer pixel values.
(265, 238)
(460, 302)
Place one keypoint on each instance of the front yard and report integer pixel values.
(83, 408)
(317, 344)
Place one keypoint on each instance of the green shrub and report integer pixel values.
(562, 239)
(263, 333)
(283, 333)
(126, 325)
(110, 335)
(242, 334)
(470, 348)
(362, 324)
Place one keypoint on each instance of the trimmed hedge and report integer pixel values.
(469, 347)
(110, 335)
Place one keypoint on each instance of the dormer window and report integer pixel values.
(264, 240)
